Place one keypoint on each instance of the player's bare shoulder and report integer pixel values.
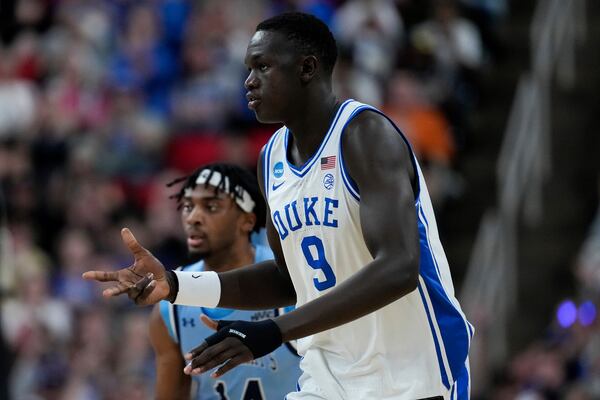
(371, 140)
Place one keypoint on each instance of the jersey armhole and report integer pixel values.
(266, 161)
(349, 182)
(168, 312)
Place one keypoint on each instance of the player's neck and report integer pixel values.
(239, 255)
(311, 124)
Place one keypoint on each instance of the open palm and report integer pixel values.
(144, 281)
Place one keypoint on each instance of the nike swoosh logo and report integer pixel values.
(196, 276)
(275, 187)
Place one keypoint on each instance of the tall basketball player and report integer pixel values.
(355, 241)
(218, 224)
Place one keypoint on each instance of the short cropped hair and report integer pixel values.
(237, 176)
(309, 35)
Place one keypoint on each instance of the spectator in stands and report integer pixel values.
(454, 46)
(429, 134)
(204, 99)
(142, 60)
(371, 32)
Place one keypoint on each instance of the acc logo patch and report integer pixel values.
(328, 181)
(278, 170)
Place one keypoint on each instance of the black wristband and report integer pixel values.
(173, 285)
(260, 337)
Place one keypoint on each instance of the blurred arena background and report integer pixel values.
(103, 102)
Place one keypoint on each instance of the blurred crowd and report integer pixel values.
(565, 362)
(104, 102)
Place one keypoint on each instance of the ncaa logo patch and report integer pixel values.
(328, 181)
(278, 170)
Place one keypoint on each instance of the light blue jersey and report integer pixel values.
(268, 377)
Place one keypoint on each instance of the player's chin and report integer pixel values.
(197, 253)
(265, 117)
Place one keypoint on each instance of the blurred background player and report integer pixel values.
(221, 207)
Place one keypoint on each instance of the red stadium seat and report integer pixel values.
(186, 152)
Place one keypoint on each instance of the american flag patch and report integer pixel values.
(327, 162)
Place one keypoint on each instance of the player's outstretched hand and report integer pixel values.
(234, 343)
(144, 281)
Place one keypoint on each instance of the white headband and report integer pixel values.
(242, 199)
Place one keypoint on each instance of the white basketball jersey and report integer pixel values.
(413, 348)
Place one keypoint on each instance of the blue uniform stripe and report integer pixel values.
(452, 325)
(438, 351)
(303, 170)
(469, 327)
(165, 313)
(412, 153)
(460, 389)
(348, 181)
(421, 218)
(267, 161)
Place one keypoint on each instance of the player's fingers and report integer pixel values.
(214, 362)
(115, 290)
(212, 352)
(102, 276)
(195, 352)
(229, 365)
(141, 299)
(132, 243)
(141, 284)
(211, 323)
(138, 287)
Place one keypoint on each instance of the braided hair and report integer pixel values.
(238, 177)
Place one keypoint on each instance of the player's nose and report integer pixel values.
(194, 217)
(251, 81)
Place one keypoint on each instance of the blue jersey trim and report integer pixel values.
(304, 168)
(460, 389)
(413, 158)
(412, 153)
(453, 326)
(166, 309)
(267, 161)
(438, 351)
(216, 313)
(348, 181)
(469, 327)
(265, 168)
(421, 214)
(347, 178)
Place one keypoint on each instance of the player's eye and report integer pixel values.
(263, 67)
(212, 207)
(186, 207)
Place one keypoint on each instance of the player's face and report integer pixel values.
(212, 221)
(273, 79)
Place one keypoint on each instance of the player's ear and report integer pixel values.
(308, 68)
(248, 221)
